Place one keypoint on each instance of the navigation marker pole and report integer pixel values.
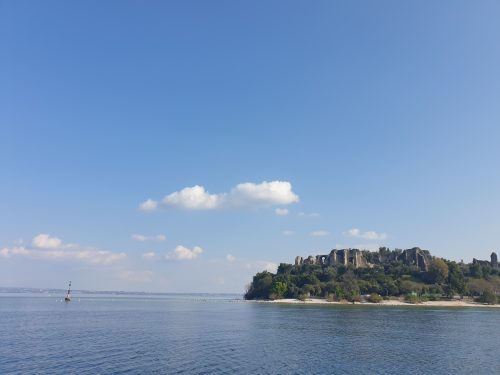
(68, 295)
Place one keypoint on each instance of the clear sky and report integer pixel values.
(185, 145)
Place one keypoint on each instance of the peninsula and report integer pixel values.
(383, 276)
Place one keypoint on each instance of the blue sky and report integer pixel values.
(364, 123)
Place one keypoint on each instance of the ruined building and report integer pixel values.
(336, 258)
(493, 263)
(363, 258)
(494, 260)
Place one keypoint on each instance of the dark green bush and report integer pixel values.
(375, 298)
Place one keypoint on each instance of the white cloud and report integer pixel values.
(44, 241)
(183, 253)
(230, 258)
(370, 235)
(92, 256)
(245, 194)
(149, 255)
(319, 233)
(288, 232)
(18, 250)
(369, 246)
(148, 205)
(281, 211)
(53, 248)
(274, 192)
(193, 198)
(270, 267)
(262, 265)
(142, 238)
(138, 237)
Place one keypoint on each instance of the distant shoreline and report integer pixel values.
(391, 302)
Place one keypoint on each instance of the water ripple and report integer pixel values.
(203, 336)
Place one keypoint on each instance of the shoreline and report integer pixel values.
(391, 302)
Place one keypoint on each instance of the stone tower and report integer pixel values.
(494, 260)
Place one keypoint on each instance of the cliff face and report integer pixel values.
(359, 259)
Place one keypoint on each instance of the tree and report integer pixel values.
(456, 279)
(486, 271)
(350, 284)
(284, 268)
(328, 274)
(278, 289)
(308, 279)
(307, 290)
(375, 298)
(407, 286)
(260, 286)
(438, 271)
(339, 292)
(478, 286)
(476, 271)
(488, 297)
(388, 286)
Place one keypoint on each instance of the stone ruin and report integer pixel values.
(493, 263)
(363, 258)
(336, 258)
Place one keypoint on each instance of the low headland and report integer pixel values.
(387, 277)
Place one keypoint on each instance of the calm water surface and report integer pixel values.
(222, 335)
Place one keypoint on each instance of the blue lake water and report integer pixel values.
(95, 334)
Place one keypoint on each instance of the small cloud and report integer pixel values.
(183, 253)
(369, 246)
(319, 233)
(13, 251)
(44, 241)
(230, 258)
(281, 211)
(288, 232)
(142, 238)
(271, 267)
(274, 192)
(193, 198)
(149, 255)
(148, 205)
(138, 237)
(370, 235)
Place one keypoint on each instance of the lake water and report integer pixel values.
(223, 335)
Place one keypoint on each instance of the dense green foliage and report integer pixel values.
(488, 297)
(335, 283)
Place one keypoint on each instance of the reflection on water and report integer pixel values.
(202, 334)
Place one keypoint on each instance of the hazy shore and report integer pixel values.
(390, 302)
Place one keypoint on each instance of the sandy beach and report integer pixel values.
(390, 302)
